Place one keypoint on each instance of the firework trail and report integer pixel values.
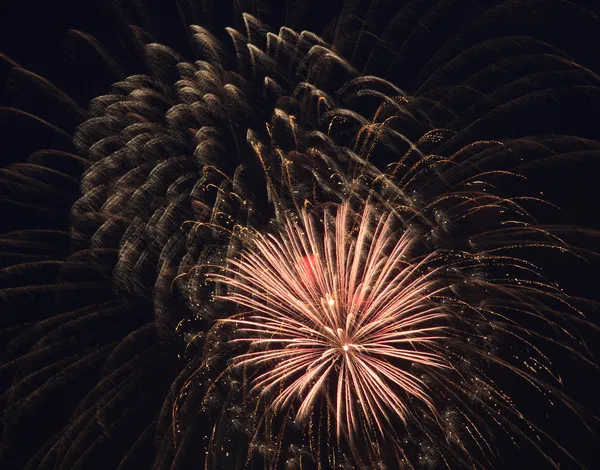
(309, 251)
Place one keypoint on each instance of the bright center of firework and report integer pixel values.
(336, 311)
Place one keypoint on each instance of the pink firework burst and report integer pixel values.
(337, 311)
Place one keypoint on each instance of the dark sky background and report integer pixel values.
(35, 34)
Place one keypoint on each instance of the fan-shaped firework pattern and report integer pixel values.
(203, 167)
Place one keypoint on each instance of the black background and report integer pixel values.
(35, 34)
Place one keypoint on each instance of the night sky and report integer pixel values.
(61, 373)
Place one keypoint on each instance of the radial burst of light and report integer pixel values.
(337, 313)
(360, 328)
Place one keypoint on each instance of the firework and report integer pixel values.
(307, 250)
(350, 313)
(334, 313)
